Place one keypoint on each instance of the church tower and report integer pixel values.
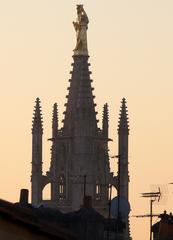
(79, 152)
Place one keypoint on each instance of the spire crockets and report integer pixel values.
(55, 121)
(80, 105)
(123, 119)
(37, 123)
(105, 121)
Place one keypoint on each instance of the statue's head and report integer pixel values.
(79, 8)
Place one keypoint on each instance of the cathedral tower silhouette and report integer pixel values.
(79, 153)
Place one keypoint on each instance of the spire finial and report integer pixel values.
(37, 123)
(55, 121)
(123, 119)
(81, 26)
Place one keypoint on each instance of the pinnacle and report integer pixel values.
(37, 123)
(105, 120)
(105, 112)
(55, 121)
(55, 112)
(123, 119)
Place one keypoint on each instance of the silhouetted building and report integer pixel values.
(163, 230)
(24, 222)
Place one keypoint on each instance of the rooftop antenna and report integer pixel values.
(154, 196)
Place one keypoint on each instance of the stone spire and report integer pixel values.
(123, 120)
(105, 121)
(123, 173)
(80, 107)
(123, 132)
(82, 144)
(37, 132)
(55, 121)
(80, 127)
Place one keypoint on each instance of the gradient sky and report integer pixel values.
(131, 55)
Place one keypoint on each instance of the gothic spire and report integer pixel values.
(55, 121)
(123, 119)
(105, 121)
(80, 100)
(37, 123)
(80, 112)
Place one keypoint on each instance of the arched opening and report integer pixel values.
(62, 188)
(112, 191)
(47, 192)
(98, 191)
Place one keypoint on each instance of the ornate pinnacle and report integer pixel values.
(123, 119)
(105, 121)
(55, 121)
(37, 123)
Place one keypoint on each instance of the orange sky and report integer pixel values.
(131, 56)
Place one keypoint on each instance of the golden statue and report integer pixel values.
(81, 26)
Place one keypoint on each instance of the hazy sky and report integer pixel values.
(131, 55)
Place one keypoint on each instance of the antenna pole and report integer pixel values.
(153, 197)
(151, 216)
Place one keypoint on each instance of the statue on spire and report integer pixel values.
(81, 26)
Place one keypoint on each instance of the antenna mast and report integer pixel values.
(153, 197)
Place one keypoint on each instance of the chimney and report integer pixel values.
(24, 196)
(87, 202)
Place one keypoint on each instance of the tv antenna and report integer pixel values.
(155, 196)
